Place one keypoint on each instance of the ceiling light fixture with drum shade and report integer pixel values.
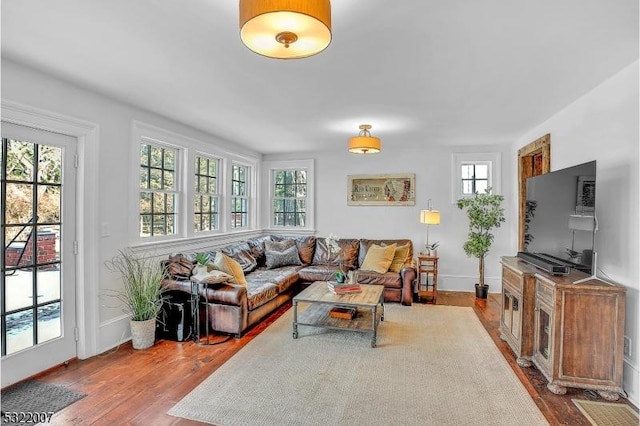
(364, 143)
(285, 29)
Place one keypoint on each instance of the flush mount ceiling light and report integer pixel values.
(364, 143)
(285, 29)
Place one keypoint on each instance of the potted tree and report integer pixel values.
(485, 213)
(141, 295)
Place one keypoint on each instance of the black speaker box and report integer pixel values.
(175, 321)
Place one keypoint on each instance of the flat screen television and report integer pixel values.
(560, 221)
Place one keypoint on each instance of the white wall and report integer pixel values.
(603, 126)
(114, 119)
(432, 168)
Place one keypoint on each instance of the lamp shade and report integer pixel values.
(285, 29)
(581, 223)
(430, 217)
(364, 143)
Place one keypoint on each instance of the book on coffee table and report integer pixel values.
(344, 312)
(336, 288)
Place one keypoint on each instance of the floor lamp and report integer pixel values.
(429, 217)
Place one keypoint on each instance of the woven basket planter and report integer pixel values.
(143, 333)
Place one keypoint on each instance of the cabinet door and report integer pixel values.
(516, 316)
(507, 320)
(543, 343)
(511, 313)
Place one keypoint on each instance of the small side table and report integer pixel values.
(196, 285)
(427, 283)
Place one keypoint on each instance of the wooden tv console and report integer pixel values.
(573, 333)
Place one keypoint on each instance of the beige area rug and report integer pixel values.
(607, 413)
(434, 365)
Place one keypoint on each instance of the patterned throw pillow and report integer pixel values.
(224, 263)
(281, 253)
(378, 259)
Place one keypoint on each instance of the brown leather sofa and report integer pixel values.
(235, 308)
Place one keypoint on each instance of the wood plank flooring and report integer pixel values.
(129, 387)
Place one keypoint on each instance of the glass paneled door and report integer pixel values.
(38, 180)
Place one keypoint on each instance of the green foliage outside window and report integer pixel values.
(239, 200)
(206, 194)
(28, 164)
(290, 198)
(157, 190)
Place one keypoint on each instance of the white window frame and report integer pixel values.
(268, 178)
(247, 196)
(492, 159)
(217, 195)
(188, 148)
(175, 192)
(147, 133)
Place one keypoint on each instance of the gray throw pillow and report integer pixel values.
(281, 253)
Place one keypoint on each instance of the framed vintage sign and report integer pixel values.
(381, 190)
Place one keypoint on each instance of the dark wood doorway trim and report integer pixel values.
(533, 159)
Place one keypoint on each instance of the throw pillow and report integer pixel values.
(399, 258)
(226, 264)
(281, 253)
(378, 259)
(179, 266)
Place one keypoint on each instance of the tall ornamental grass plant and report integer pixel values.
(142, 293)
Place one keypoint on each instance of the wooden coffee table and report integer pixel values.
(369, 303)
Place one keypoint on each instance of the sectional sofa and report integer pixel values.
(271, 278)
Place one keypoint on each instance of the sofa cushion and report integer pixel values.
(281, 253)
(399, 258)
(306, 246)
(348, 253)
(257, 248)
(284, 278)
(241, 253)
(378, 258)
(224, 263)
(314, 273)
(179, 266)
(388, 279)
(260, 292)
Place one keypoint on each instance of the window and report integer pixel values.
(475, 177)
(289, 198)
(475, 172)
(185, 187)
(239, 198)
(158, 190)
(205, 209)
(291, 195)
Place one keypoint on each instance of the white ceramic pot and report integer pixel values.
(201, 270)
(433, 253)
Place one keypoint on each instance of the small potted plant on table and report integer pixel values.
(201, 263)
(485, 213)
(432, 249)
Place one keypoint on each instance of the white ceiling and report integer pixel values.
(422, 72)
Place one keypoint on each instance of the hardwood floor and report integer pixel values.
(126, 386)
